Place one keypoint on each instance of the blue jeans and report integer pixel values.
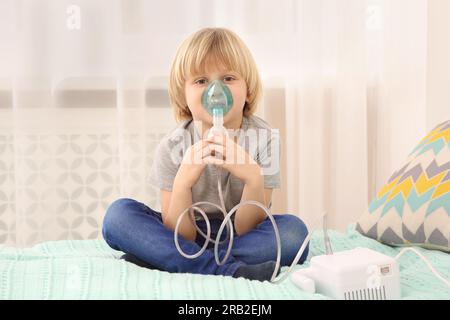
(134, 228)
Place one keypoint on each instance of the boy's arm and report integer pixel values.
(173, 204)
(249, 216)
(180, 198)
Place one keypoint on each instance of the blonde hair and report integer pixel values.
(222, 46)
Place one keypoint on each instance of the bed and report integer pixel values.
(90, 269)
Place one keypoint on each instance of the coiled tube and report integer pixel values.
(227, 222)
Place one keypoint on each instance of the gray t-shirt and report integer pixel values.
(256, 137)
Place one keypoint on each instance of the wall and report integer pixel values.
(438, 64)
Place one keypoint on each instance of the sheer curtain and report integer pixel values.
(83, 102)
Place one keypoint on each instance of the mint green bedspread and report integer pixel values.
(90, 269)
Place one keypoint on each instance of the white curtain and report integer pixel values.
(83, 102)
(355, 102)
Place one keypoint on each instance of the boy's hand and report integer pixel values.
(193, 163)
(232, 157)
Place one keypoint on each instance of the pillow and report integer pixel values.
(413, 208)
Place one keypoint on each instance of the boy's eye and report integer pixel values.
(228, 78)
(204, 81)
(200, 81)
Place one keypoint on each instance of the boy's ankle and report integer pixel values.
(259, 272)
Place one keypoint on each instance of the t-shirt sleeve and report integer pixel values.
(166, 161)
(268, 158)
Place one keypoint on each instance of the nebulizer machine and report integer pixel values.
(341, 275)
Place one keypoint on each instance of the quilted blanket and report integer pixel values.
(90, 269)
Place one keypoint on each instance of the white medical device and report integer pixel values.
(357, 274)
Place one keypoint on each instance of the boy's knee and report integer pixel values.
(292, 226)
(119, 204)
(114, 214)
(293, 233)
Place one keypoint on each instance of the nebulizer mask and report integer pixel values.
(217, 101)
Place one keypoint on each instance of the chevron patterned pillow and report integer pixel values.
(413, 208)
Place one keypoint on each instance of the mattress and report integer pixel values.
(90, 269)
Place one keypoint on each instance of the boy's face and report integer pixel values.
(195, 85)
